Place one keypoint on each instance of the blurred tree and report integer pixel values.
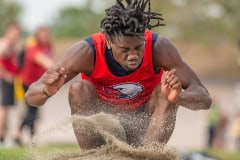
(190, 20)
(195, 20)
(231, 16)
(77, 21)
(9, 10)
(74, 22)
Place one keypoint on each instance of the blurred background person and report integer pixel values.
(212, 123)
(8, 70)
(217, 128)
(220, 137)
(38, 57)
(29, 42)
(235, 128)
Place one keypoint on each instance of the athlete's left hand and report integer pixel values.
(171, 86)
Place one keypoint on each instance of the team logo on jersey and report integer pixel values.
(124, 90)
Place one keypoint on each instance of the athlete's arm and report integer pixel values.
(79, 58)
(194, 95)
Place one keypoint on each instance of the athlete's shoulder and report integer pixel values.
(163, 42)
(165, 52)
(81, 48)
(80, 57)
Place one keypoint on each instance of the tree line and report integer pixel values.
(191, 20)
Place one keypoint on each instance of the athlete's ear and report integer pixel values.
(108, 42)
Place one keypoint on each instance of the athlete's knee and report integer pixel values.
(159, 103)
(81, 88)
(81, 93)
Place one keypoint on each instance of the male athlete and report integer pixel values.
(122, 69)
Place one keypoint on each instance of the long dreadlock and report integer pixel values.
(130, 19)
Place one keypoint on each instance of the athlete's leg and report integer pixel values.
(163, 118)
(83, 98)
(135, 124)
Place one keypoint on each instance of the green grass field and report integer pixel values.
(22, 153)
(26, 153)
(224, 155)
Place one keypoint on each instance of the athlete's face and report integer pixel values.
(128, 51)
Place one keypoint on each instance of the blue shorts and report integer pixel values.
(7, 93)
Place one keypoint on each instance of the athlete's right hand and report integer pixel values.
(54, 80)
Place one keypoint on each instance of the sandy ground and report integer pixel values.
(190, 130)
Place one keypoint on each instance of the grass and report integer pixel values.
(13, 154)
(25, 153)
(218, 154)
(224, 155)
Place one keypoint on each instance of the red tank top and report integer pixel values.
(32, 71)
(127, 92)
(9, 64)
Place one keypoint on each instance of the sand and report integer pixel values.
(116, 147)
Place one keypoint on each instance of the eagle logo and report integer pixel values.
(124, 90)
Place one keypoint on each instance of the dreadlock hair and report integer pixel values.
(130, 19)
